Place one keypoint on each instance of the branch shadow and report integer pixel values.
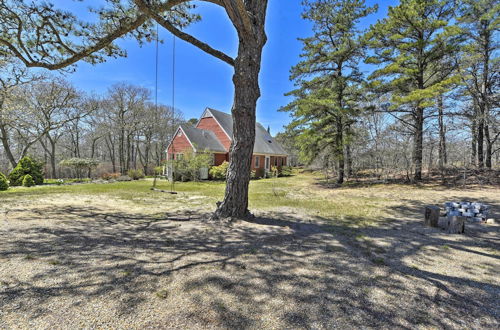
(278, 270)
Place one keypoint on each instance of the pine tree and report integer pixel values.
(412, 48)
(328, 78)
(479, 23)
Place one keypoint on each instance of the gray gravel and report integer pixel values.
(68, 266)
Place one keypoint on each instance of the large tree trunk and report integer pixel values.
(247, 92)
(489, 145)
(480, 137)
(348, 154)
(53, 158)
(442, 134)
(473, 141)
(6, 146)
(339, 141)
(418, 143)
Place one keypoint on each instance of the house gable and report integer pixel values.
(209, 122)
(180, 143)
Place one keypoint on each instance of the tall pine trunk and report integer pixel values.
(480, 137)
(473, 133)
(489, 145)
(418, 139)
(339, 141)
(247, 92)
(442, 134)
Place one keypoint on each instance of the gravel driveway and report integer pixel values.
(66, 265)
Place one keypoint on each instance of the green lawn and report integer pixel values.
(298, 192)
(301, 193)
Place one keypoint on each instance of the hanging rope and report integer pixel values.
(172, 181)
(156, 91)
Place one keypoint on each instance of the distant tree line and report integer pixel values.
(51, 120)
(417, 89)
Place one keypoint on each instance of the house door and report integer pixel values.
(268, 163)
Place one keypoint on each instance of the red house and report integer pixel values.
(213, 134)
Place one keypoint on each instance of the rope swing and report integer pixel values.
(172, 185)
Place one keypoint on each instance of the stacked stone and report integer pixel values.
(474, 212)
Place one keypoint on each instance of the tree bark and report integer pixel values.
(480, 137)
(489, 145)
(442, 134)
(247, 92)
(473, 141)
(418, 143)
(6, 146)
(339, 141)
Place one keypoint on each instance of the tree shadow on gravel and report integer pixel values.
(276, 271)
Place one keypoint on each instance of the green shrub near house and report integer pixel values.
(28, 181)
(135, 174)
(26, 165)
(188, 167)
(219, 172)
(286, 171)
(4, 183)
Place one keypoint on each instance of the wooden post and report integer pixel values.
(432, 215)
(456, 225)
(453, 224)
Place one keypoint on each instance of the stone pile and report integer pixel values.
(474, 212)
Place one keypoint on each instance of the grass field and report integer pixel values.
(119, 255)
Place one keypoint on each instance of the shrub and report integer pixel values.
(28, 181)
(189, 166)
(286, 171)
(110, 176)
(136, 174)
(219, 172)
(26, 166)
(80, 165)
(4, 184)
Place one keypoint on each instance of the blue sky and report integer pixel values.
(204, 81)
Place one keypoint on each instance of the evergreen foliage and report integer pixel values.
(412, 50)
(328, 79)
(28, 181)
(4, 184)
(26, 165)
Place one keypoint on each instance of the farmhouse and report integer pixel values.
(213, 134)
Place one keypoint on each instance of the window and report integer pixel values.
(267, 163)
(280, 161)
(179, 156)
(275, 161)
(179, 133)
(257, 161)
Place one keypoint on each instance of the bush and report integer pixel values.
(110, 176)
(219, 172)
(28, 181)
(286, 171)
(24, 167)
(80, 165)
(188, 167)
(4, 184)
(136, 174)
(275, 172)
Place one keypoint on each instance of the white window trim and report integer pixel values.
(257, 162)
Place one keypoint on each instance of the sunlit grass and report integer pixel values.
(303, 194)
